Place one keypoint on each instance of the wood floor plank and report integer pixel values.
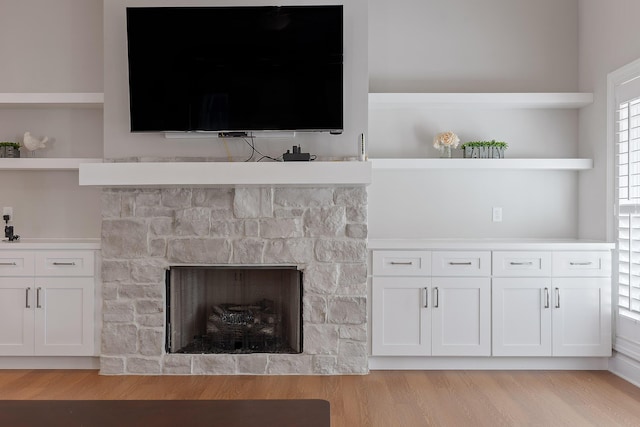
(382, 398)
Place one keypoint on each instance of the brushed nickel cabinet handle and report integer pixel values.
(521, 263)
(557, 298)
(460, 263)
(38, 297)
(546, 297)
(580, 263)
(64, 263)
(437, 298)
(8, 263)
(26, 303)
(426, 297)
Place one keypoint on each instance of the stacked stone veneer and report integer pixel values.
(321, 230)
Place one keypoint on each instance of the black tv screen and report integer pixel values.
(235, 68)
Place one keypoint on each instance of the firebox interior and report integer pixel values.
(234, 309)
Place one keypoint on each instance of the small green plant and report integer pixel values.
(492, 143)
(10, 144)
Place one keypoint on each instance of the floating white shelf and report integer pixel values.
(172, 174)
(475, 100)
(522, 164)
(44, 164)
(76, 99)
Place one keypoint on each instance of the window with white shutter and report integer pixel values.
(627, 196)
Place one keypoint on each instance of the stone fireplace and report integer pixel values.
(321, 231)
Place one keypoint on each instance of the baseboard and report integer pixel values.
(625, 367)
(35, 362)
(488, 363)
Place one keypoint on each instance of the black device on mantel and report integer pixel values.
(296, 156)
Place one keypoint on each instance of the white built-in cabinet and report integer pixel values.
(491, 303)
(551, 304)
(47, 302)
(419, 313)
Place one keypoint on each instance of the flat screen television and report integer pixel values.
(235, 69)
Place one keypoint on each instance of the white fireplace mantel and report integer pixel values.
(200, 174)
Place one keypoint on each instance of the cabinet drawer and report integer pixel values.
(458, 263)
(65, 263)
(401, 263)
(16, 263)
(521, 264)
(582, 264)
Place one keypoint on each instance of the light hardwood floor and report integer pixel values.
(382, 398)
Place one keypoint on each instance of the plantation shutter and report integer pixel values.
(628, 196)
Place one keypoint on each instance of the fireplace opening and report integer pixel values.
(234, 310)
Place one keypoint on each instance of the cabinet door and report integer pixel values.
(64, 316)
(581, 317)
(400, 321)
(461, 316)
(16, 316)
(521, 310)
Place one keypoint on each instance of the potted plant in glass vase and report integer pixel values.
(445, 142)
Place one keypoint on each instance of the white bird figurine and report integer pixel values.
(31, 143)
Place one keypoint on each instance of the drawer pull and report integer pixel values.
(436, 304)
(460, 263)
(557, 298)
(580, 263)
(546, 297)
(401, 263)
(26, 304)
(521, 263)
(63, 263)
(38, 298)
(426, 297)
(8, 263)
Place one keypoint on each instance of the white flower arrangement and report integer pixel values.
(446, 139)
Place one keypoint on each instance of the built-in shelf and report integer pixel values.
(44, 164)
(173, 174)
(522, 164)
(475, 100)
(71, 99)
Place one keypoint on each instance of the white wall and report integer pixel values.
(470, 46)
(52, 46)
(608, 40)
(443, 204)
(120, 143)
(473, 46)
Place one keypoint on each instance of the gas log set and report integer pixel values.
(235, 328)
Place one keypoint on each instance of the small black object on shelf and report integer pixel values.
(8, 230)
(296, 156)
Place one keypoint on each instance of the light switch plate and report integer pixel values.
(497, 214)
